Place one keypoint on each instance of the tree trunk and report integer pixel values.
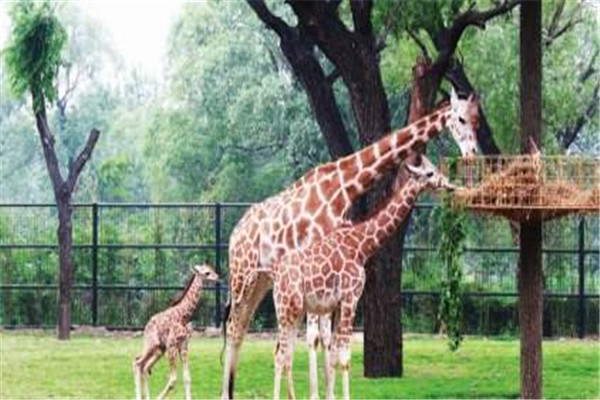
(530, 252)
(65, 239)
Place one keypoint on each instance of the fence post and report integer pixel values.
(581, 265)
(218, 263)
(94, 263)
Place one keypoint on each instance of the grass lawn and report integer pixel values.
(35, 365)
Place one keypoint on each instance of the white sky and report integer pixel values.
(138, 29)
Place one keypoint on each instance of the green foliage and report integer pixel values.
(33, 54)
(452, 240)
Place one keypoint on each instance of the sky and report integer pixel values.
(138, 29)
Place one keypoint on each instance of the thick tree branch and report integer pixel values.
(447, 39)
(82, 158)
(361, 16)
(298, 50)
(418, 41)
(47, 141)
(272, 21)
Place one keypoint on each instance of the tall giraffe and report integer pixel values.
(169, 332)
(328, 275)
(316, 204)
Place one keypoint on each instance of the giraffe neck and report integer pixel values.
(378, 229)
(189, 302)
(360, 170)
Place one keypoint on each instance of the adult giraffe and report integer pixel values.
(313, 206)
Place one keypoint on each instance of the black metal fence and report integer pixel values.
(130, 259)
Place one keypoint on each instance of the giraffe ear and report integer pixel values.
(453, 97)
(412, 169)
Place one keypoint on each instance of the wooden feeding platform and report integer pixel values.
(526, 187)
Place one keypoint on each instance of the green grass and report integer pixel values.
(35, 365)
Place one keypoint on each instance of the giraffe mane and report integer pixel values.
(183, 293)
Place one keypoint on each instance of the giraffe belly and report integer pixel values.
(322, 303)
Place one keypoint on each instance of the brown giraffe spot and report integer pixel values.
(326, 251)
(294, 275)
(349, 169)
(421, 124)
(307, 286)
(318, 282)
(296, 301)
(337, 261)
(296, 208)
(353, 191)
(284, 282)
(289, 237)
(367, 156)
(443, 119)
(350, 241)
(432, 132)
(358, 290)
(365, 178)
(326, 269)
(315, 269)
(369, 244)
(346, 312)
(321, 293)
(433, 117)
(345, 281)
(312, 202)
(285, 216)
(347, 162)
(338, 203)
(327, 168)
(302, 228)
(330, 282)
(404, 138)
(385, 145)
(328, 187)
(352, 270)
(418, 146)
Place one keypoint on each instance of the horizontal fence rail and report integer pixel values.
(131, 258)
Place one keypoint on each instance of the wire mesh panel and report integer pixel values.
(527, 186)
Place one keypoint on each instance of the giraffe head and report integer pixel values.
(463, 123)
(424, 172)
(205, 272)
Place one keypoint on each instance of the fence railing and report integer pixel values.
(112, 242)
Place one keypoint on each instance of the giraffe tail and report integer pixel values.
(224, 328)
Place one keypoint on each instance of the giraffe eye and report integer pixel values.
(429, 174)
(461, 120)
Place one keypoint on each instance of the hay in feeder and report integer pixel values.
(528, 186)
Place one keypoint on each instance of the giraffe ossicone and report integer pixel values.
(315, 205)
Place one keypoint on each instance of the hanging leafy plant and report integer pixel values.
(452, 223)
(33, 54)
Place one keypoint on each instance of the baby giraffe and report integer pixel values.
(169, 332)
(328, 276)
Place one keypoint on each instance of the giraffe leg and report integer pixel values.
(172, 357)
(187, 377)
(289, 362)
(283, 360)
(325, 335)
(237, 325)
(146, 372)
(332, 363)
(139, 365)
(312, 340)
(344, 336)
(137, 378)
